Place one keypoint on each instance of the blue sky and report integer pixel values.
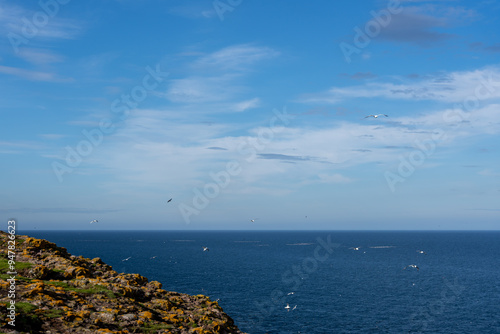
(241, 110)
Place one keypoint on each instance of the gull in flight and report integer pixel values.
(376, 116)
(205, 249)
(294, 307)
(290, 293)
(421, 252)
(170, 200)
(94, 221)
(128, 258)
(355, 248)
(287, 307)
(154, 257)
(252, 220)
(412, 266)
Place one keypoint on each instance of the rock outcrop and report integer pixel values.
(56, 292)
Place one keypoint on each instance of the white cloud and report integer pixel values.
(482, 84)
(201, 89)
(235, 57)
(38, 56)
(219, 78)
(33, 75)
(165, 148)
(248, 104)
(13, 20)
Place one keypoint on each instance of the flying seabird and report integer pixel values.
(376, 116)
(421, 252)
(252, 220)
(170, 200)
(412, 266)
(355, 248)
(294, 307)
(94, 221)
(290, 293)
(205, 249)
(128, 258)
(287, 307)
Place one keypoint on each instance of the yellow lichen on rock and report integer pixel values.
(71, 294)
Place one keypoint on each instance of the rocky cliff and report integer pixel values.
(56, 292)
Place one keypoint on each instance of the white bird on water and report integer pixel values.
(205, 249)
(94, 221)
(412, 266)
(421, 252)
(377, 115)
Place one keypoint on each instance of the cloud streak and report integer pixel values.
(445, 87)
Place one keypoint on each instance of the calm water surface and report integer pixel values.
(334, 288)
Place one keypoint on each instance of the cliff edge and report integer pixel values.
(56, 292)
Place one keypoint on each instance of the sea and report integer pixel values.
(331, 281)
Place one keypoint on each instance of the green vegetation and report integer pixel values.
(21, 278)
(4, 265)
(97, 289)
(53, 313)
(151, 328)
(27, 320)
(57, 283)
(23, 307)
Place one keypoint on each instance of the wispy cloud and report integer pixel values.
(445, 87)
(38, 56)
(201, 89)
(17, 147)
(235, 58)
(12, 20)
(33, 75)
(219, 77)
(248, 104)
(216, 148)
(284, 157)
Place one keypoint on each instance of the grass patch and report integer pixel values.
(58, 283)
(23, 307)
(97, 289)
(18, 278)
(53, 313)
(151, 328)
(28, 322)
(4, 265)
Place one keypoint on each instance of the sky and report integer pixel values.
(250, 110)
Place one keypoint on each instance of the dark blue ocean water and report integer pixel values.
(336, 289)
